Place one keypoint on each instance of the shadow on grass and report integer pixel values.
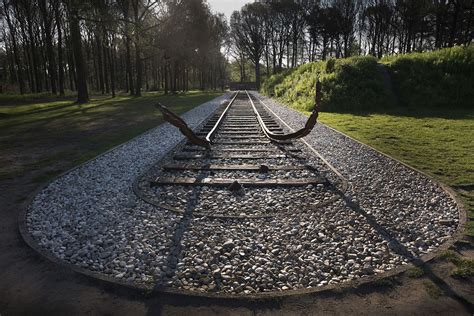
(82, 108)
(15, 99)
(50, 108)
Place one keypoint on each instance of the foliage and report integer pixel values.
(348, 84)
(241, 71)
(110, 46)
(435, 79)
(427, 80)
(293, 32)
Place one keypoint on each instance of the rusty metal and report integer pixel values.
(229, 156)
(246, 167)
(264, 169)
(175, 120)
(183, 127)
(222, 182)
(235, 186)
(310, 123)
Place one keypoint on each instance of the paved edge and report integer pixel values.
(141, 287)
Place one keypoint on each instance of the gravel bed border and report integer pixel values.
(260, 296)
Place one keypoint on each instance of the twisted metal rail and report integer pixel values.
(312, 120)
(206, 142)
(177, 121)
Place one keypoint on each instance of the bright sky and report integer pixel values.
(227, 6)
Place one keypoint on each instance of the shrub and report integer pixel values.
(435, 79)
(352, 83)
(421, 80)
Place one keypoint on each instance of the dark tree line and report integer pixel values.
(110, 45)
(280, 34)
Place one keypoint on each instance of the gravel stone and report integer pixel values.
(309, 237)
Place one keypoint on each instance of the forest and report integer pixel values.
(110, 45)
(106, 46)
(283, 34)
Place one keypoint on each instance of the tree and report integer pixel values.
(248, 27)
(76, 40)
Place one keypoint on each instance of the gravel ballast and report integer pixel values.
(91, 218)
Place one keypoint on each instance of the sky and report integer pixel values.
(227, 6)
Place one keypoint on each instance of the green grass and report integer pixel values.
(348, 84)
(36, 136)
(426, 120)
(464, 267)
(435, 145)
(415, 273)
(435, 142)
(432, 290)
(29, 98)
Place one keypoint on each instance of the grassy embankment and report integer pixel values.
(425, 118)
(47, 133)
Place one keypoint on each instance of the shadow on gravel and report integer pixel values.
(400, 249)
(157, 301)
(181, 227)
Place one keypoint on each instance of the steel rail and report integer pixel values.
(264, 127)
(339, 174)
(213, 130)
(311, 122)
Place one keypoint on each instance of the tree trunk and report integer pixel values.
(257, 74)
(166, 78)
(81, 83)
(128, 64)
(454, 23)
(71, 65)
(112, 67)
(34, 55)
(138, 67)
(100, 65)
(49, 45)
(60, 50)
(16, 55)
(106, 65)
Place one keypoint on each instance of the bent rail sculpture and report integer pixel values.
(183, 127)
(194, 139)
(310, 123)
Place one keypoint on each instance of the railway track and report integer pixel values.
(246, 173)
(240, 213)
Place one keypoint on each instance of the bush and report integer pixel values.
(442, 78)
(348, 84)
(421, 80)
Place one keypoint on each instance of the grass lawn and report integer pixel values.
(438, 142)
(40, 133)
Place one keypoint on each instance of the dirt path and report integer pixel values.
(30, 285)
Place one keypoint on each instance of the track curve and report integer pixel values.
(298, 249)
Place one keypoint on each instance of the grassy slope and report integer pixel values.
(37, 135)
(433, 134)
(348, 85)
(443, 78)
